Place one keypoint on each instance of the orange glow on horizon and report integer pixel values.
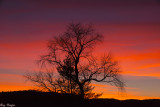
(109, 95)
(126, 97)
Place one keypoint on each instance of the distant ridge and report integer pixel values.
(32, 98)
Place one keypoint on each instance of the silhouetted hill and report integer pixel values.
(33, 98)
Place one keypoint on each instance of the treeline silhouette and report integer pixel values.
(32, 98)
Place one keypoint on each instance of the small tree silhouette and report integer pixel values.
(71, 54)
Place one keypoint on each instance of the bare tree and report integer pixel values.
(71, 54)
(46, 81)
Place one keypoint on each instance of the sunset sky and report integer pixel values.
(131, 30)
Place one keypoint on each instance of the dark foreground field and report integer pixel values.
(43, 99)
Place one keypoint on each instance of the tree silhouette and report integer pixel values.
(71, 54)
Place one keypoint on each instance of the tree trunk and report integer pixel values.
(70, 83)
(82, 91)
